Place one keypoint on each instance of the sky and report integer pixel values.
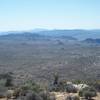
(49, 14)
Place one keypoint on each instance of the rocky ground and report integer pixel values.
(63, 95)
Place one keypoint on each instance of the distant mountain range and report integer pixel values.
(90, 40)
(81, 35)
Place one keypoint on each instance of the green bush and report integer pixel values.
(88, 92)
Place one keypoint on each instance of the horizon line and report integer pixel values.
(49, 29)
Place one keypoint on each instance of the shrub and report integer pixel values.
(8, 82)
(2, 92)
(56, 79)
(72, 98)
(55, 88)
(60, 86)
(8, 95)
(78, 81)
(70, 88)
(89, 95)
(52, 97)
(16, 93)
(44, 95)
(47, 96)
(88, 92)
(2, 82)
(32, 96)
(32, 86)
(96, 85)
(6, 79)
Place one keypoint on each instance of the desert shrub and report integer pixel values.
(32, 96)
(44, 95)
(78, 82)
(60, 86)
(69, 98)
(30, 85)
(55, 88)
(88, 92)
(73, 97)
(47, 96)
(95, 84)
(6, 79)
(5, 75)
(8, 82)
(2, 82)
(29, 94)
(52, 97)
(57, 85)
(16, 93)
(71, 89)
(56, 79)
(8, 95)
(2, 91)
(35, 87)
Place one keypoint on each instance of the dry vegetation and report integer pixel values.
(38, 58)
(28, 59)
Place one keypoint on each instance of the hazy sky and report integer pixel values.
(62, 14)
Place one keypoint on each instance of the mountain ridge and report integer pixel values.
(76, 33)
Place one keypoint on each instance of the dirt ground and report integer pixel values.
(63, 95)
